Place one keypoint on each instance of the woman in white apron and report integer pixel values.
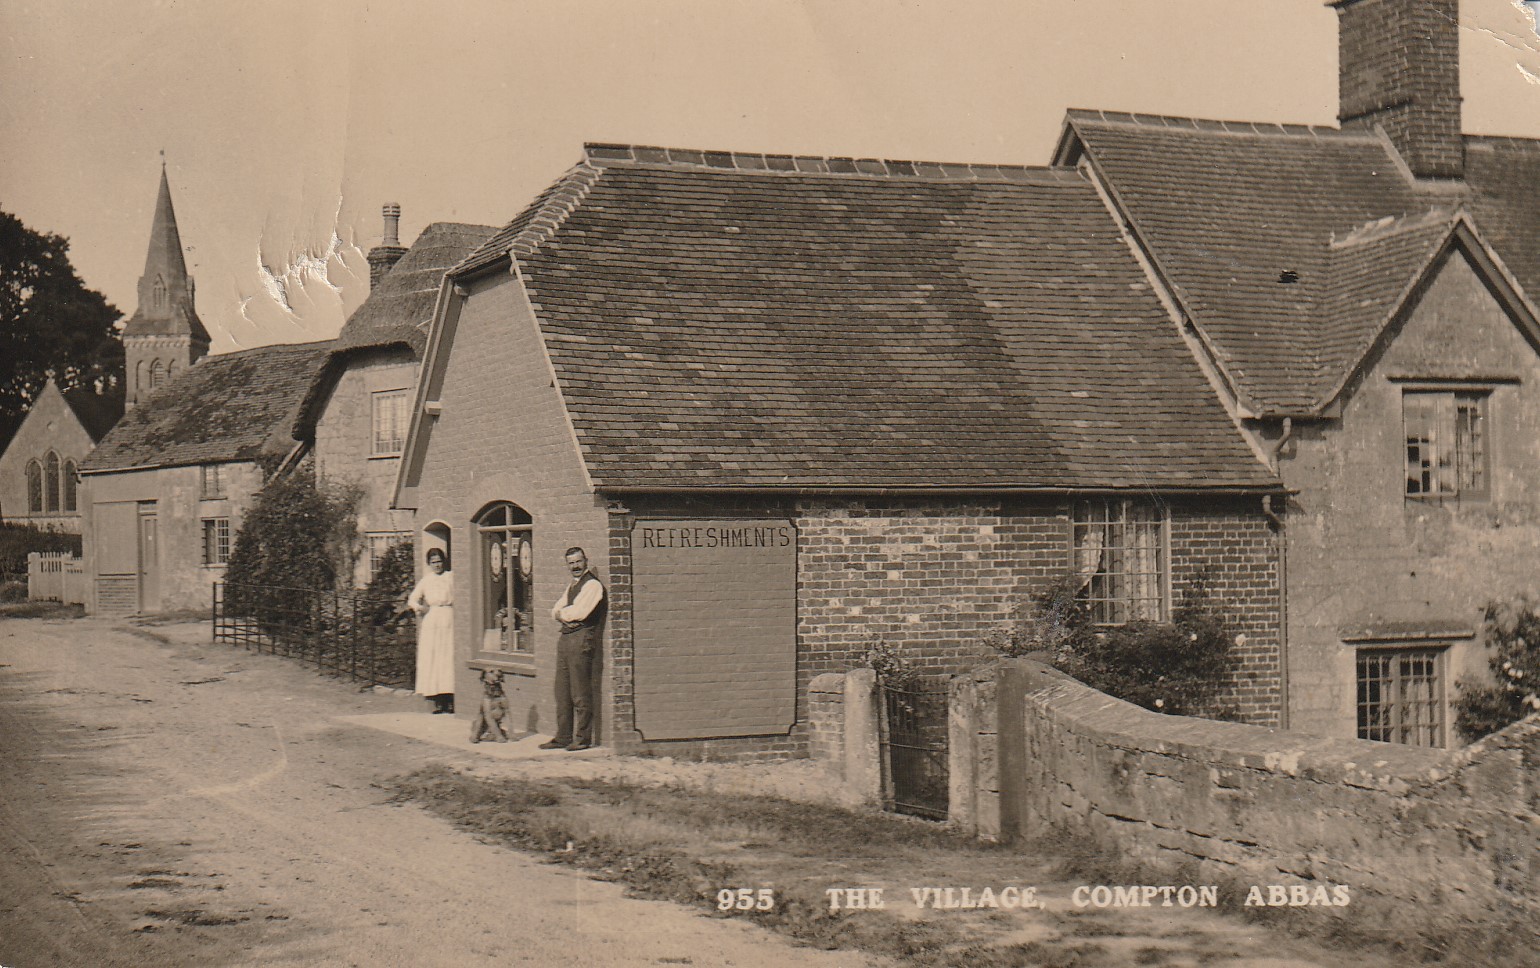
(433, 600)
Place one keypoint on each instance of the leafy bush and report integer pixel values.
(892, 666)
(19, 540)
(1512, 633)
(1177, 667)
(392, 581)
(297, 534)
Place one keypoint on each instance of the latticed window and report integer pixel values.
(51, 482)
(390, 421)
(216, 541)
(34, 487)
(70, 483)
(1446, 444)
(381, 542)
(1401, 696)
(212, 479)
(1120, 559)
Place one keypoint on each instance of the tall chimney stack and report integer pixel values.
(390, 250)
(1399, 69)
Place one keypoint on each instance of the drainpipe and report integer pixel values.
(1283, 580)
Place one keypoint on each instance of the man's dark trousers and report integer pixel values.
(574, 688)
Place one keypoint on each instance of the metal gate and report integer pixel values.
(914, 748)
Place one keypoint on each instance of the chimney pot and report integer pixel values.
(390, 250)
(392, 212)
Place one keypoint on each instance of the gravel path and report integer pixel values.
(175, 803)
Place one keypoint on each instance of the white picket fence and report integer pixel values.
(56, 576)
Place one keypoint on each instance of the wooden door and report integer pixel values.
(149, 558)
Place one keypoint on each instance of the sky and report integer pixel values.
(287, 124)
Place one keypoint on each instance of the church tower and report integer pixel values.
(164, 336)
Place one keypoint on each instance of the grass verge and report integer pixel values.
(40, 610)
(673, 844)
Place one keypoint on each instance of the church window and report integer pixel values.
(51, 482)
(34, 487)
(158, 294)
(71, 483)
(157, 374)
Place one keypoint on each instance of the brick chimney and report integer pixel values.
(390, 250)
(1399, 69)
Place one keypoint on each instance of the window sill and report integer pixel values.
(395, 456)
(520, 665)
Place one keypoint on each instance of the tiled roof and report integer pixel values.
(713, 322)
(230, 407)
(1283, 242)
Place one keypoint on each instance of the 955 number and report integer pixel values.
(746, 899)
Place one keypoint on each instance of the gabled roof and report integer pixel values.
(731, 320)
(1282, 243)
(398, 310)
(97, 412)
(230, 407)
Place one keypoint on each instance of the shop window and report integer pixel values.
(388, 417)
(51, 489)
(1120, 558)
(1446, 444)
(507, 580)
(1401, 696)
(71, 484)
(212, 480)
(216, 541)
(380, 542)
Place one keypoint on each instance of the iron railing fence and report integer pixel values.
(341, 634)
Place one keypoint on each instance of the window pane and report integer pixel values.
(1400, 697)
(1445, 443)
(389, 416)
(34, 487)
(1119, 557)
(71, 496)
(51, 481)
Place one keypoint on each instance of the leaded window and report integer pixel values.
(1401, 696)
(1120, 558)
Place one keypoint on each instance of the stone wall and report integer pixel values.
(1448, 830)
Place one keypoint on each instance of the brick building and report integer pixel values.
(354, 417)
(1359, 293)
(791, 406)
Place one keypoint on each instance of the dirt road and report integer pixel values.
(196, 805)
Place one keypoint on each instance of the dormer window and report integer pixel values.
(1446, 444)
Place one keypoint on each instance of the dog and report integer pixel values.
(492, 717)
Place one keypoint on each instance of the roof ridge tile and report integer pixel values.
(605, 155)
(1213, 125)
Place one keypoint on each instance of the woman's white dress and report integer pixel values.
(433, 600)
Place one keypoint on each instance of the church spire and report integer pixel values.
(165, 335)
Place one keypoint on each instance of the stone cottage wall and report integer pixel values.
(1451, 831)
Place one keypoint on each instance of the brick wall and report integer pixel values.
(1236, 553)
(931, 577)
(1399, 67)
(826, 718)
(503, 436)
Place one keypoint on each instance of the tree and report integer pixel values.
(297, 534)
(49, 321)
(1512, 633)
